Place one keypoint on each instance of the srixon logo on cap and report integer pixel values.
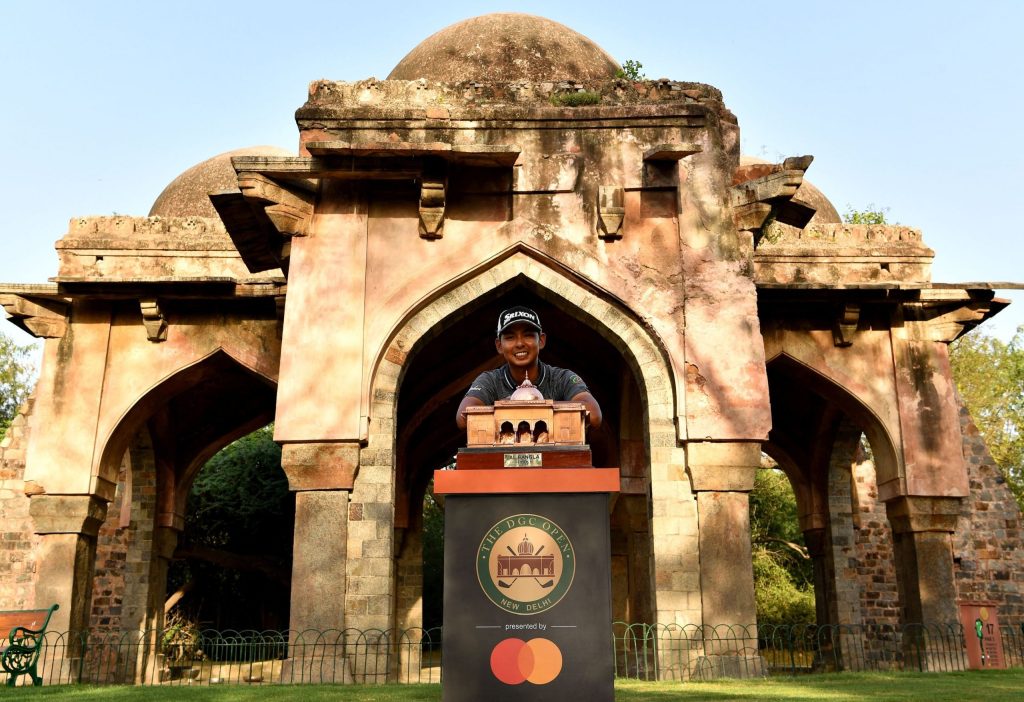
(519, 314)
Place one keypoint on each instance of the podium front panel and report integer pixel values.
(527, 598)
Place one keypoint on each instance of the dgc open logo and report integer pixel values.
(525, 564)
(537, 661)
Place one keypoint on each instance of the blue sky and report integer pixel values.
(912, 106)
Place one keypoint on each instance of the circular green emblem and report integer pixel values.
(525, 564)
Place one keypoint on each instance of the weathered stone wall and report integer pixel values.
(874, 567)
(124, 548)
(988, 550)
(865, 574)
(17, 539)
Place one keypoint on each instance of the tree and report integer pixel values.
(989, 374)
(233, 562)
(783, 575)
(17, 374)
(872, 215)
(631, 70)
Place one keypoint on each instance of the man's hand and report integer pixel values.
(468, 401)
(590, 402)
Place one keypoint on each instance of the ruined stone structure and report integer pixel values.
(716, 307)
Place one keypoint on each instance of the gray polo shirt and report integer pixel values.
(554, 384)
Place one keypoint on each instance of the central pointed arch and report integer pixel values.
(577, 312)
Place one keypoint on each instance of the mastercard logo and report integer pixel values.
(537, 661)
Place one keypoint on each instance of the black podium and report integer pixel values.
(527, 580)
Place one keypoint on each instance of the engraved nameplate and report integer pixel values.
(522, 460)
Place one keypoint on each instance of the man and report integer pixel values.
(519, 341)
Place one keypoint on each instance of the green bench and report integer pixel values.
(20, 654)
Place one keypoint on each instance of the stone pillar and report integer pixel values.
(321, 475)
(922, 534)
(843, 588)
(68, 525)
(409, 607)
(147, 666)
(723, 476)
(824, 575)
(318, 560)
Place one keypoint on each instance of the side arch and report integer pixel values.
(794, 383)
(190, 414)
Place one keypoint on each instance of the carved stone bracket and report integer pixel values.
(432, 204)
(153, 320)
(43, 318)
(845, 325)
(610, 211)
(946, 315)
(754, 200)
(263, 215)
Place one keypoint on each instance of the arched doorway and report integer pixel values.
(154, 454)
(434, 362)
(821, 435)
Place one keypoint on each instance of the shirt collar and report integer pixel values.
(506, 373)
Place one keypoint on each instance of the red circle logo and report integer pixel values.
(537, 661)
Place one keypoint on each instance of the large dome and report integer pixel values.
(505, 47)
(188, 194)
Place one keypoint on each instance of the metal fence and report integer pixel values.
(642, 651)
(660, 652)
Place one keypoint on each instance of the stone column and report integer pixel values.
(922, 534)
(824, 576)
(165, 540)
(68, 525)
(321, 475)
(723, 476)
(409, 605)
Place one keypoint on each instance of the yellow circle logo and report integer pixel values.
(525, 564)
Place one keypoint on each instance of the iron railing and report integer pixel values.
(642, 651)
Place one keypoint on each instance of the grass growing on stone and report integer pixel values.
(971, 686)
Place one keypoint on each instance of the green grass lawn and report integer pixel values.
(972, 686)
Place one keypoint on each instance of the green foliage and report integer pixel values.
(575, 99)
(630, 70)
(433, 562)
(17, 375)
(990, 376)
(783, 575)
(240, 494)
(239, 526)
(778, 598)
(872, 215)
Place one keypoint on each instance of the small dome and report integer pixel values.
(506, 47)
(824, 212)
(525, 548)
(526, 391)
(188, 194)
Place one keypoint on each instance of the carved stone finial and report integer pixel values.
(526, 391)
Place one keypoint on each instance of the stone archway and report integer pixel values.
(816, 430)
(644, 442)
(153, 455)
